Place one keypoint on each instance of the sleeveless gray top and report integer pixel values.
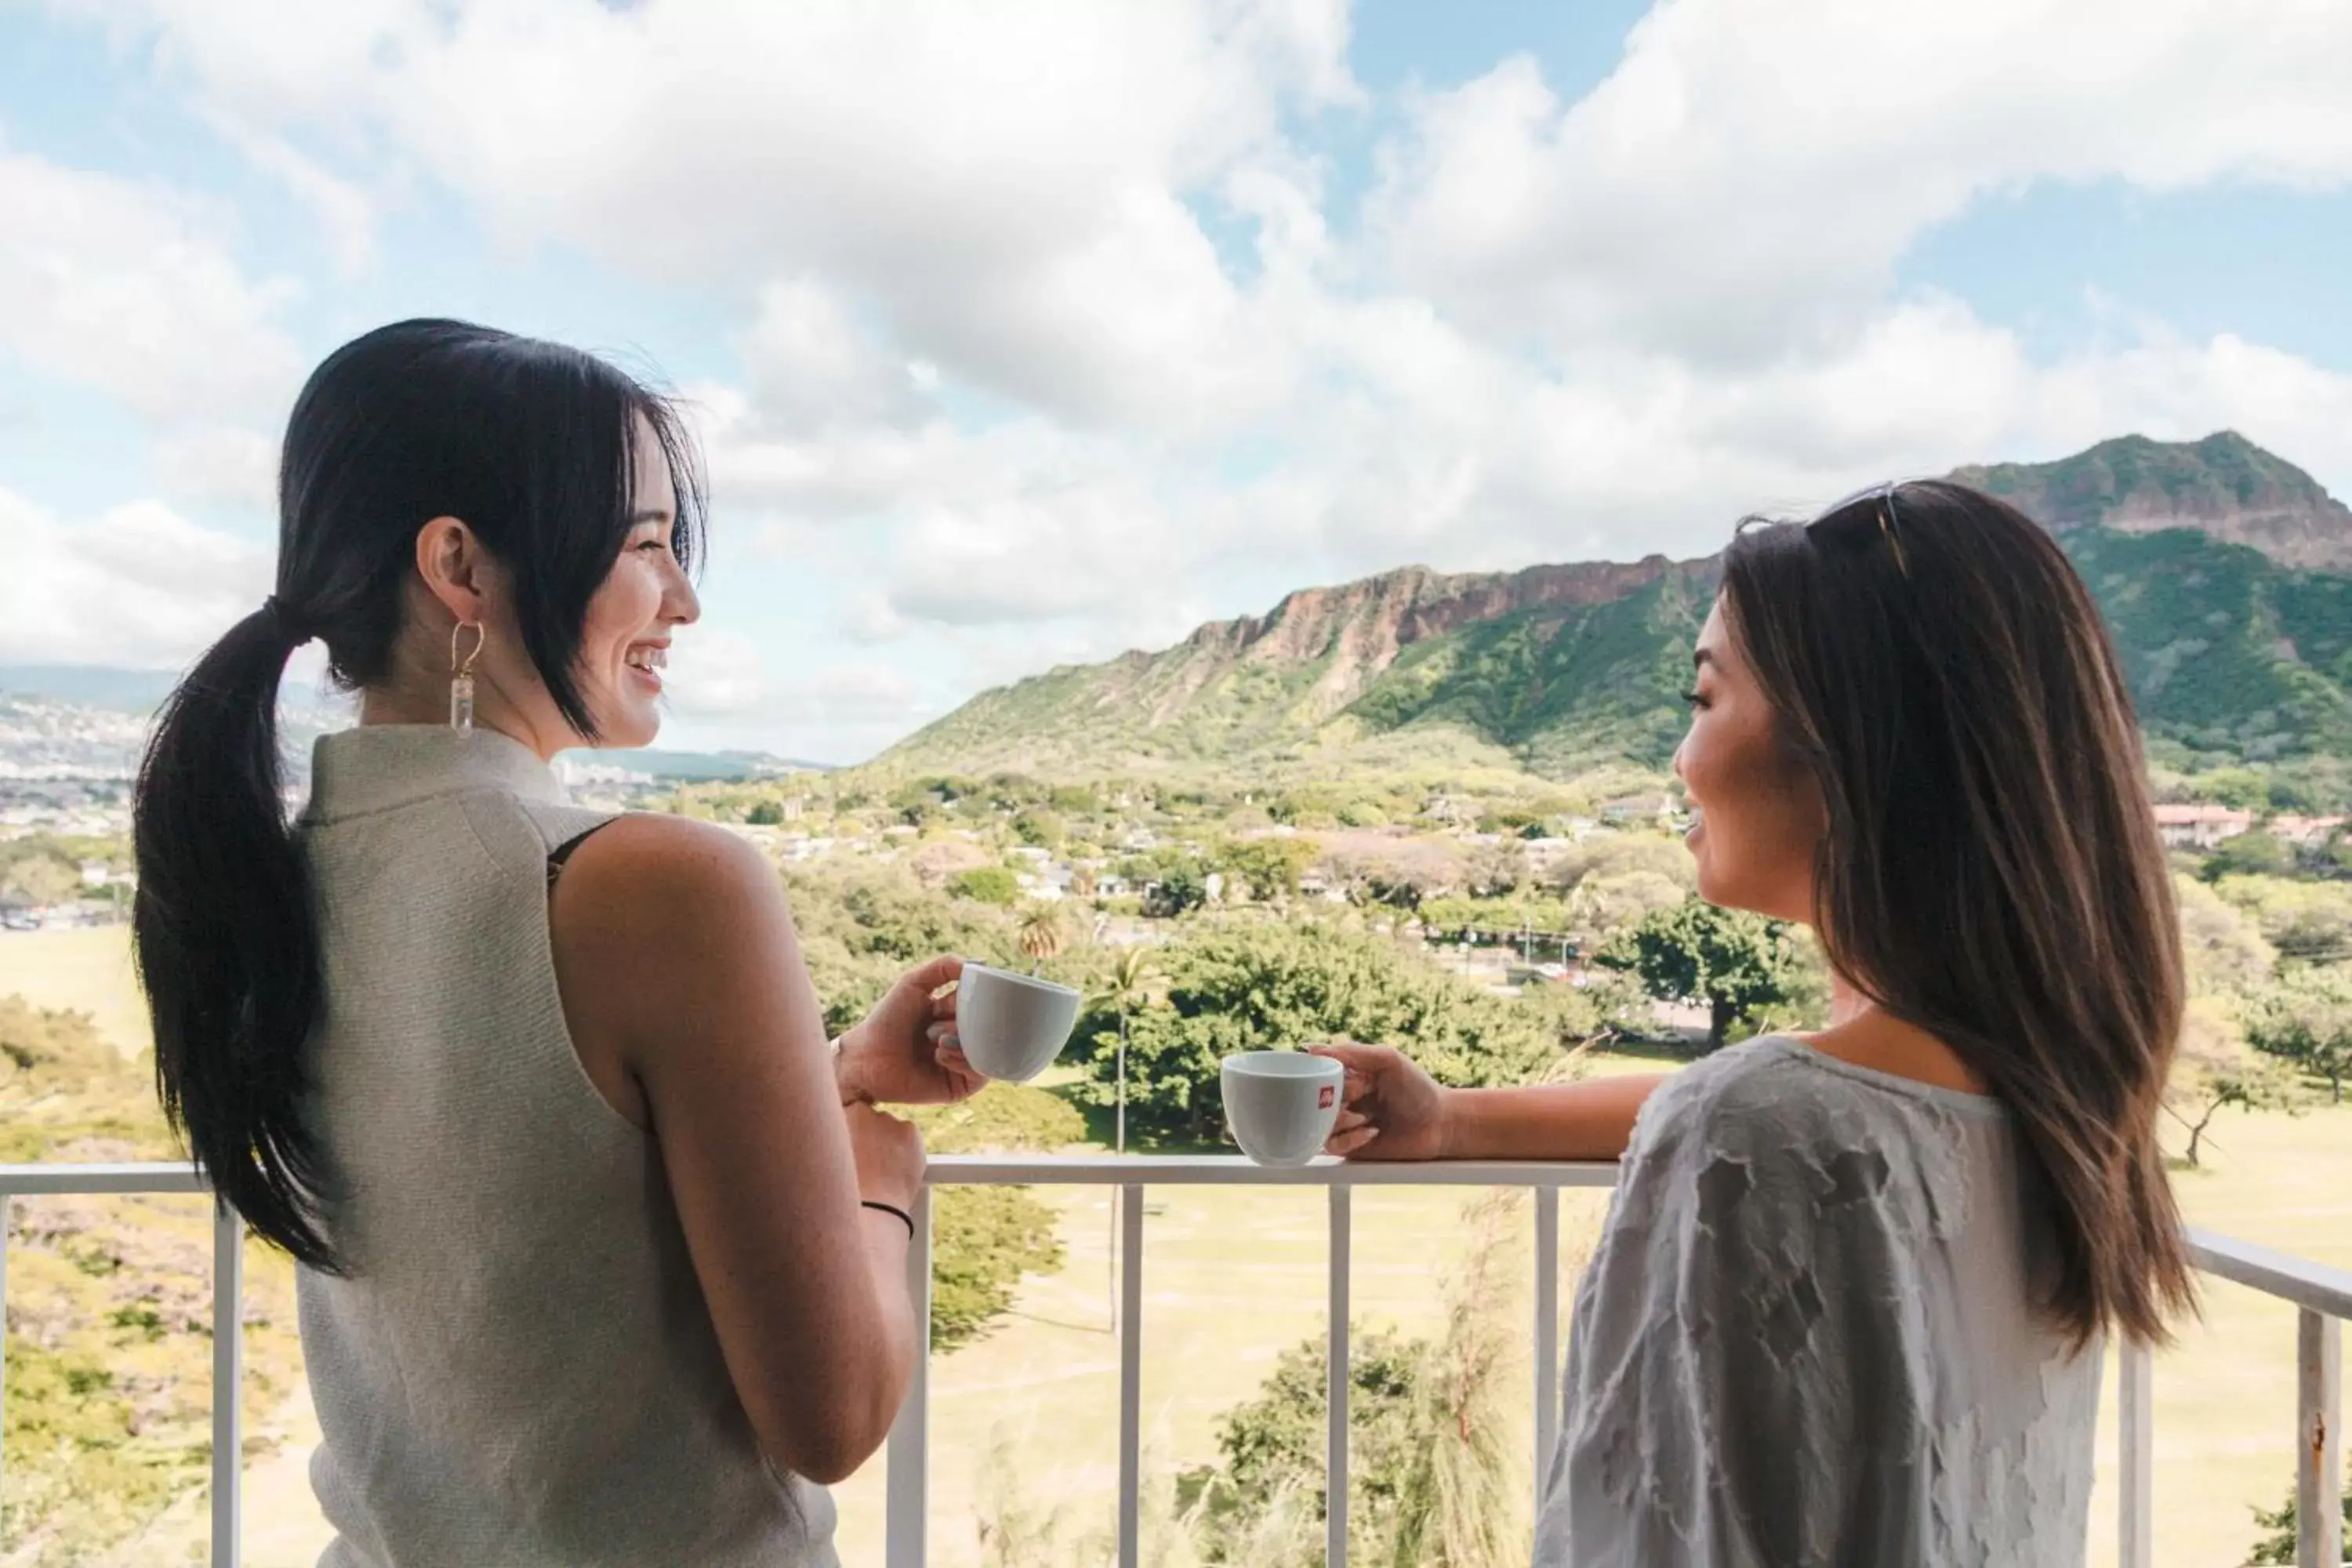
(1806, 1337)
(520, 1370)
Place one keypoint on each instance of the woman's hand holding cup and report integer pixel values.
(1390, 1108)
(907, 1052)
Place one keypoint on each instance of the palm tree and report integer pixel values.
(1131, 973)
(1041, 934)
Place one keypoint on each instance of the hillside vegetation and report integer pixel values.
(2225, 571)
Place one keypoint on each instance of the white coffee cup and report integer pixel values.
(1280, 1105)
(1013, 1026)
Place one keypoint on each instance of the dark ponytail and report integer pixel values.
(534, 446)
(227, 945)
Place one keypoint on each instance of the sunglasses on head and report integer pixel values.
(1882, 496)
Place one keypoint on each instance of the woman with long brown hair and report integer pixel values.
(1849, 1303)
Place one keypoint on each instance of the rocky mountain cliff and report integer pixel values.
(2220, 566)
(2225, 487)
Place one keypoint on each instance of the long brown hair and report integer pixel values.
(1992, 872)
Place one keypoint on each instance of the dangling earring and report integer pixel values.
(461, 675)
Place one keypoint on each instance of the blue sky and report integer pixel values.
(1025, 336)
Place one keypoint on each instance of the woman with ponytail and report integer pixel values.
(601, 1247)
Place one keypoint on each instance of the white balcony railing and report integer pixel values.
(2321, 1295)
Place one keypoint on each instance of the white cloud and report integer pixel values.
(129, 288)
(715, 674)
(139, 585)
(718, 676)
(999, 383)
(999, 184)
(346, 215)
(1745, 178)
(721, 693)
(812, 366)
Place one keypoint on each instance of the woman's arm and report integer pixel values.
(1592, 1120)
(1396, 1111)
(674, 943)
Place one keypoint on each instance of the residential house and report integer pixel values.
(2200, 826)
(1544, 855)
(2302, 832)
(1450, 808)
(1641, 811)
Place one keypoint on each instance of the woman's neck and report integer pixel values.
(1863, 1033)
(391, 705)
(1847, 1001)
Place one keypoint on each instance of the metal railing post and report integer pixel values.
(2135, 1370)
(2319, 1440)
(907, 1482)
(1547, 1293)
(228, 1384)
(1130, 1376)
(5, 1205)
(1335, 1384)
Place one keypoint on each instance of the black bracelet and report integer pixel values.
(904, 1218)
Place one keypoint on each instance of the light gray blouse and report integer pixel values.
(519, 1370)
(1806, 1337)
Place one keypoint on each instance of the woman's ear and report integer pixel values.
(455, 568)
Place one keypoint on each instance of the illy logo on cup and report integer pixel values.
(1323, 1099)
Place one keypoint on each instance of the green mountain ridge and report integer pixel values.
(2225, 571)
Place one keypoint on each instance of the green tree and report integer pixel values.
(1270, 1449)
(1249, 987)
(861, 925)
(1736, 963)
(1430, 1480)
(2306, 1019)
(2213, 1070)
(766, 814)
(987, 885)
(1619, 854)
(1042, 933)
(2258, 854)
(1605, 902)
(1040, 828)
(1131, 974)
(1271, 866)
(2224, 947)
(2278, 1545)
(1499, 869)
(1574, 1014)
(1176, 888)
(39, 878)
(2304, 919)
(985, 1240)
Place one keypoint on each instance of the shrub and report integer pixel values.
(984, 1239)
(1738, 963)
(1252, 987)
(987, 885)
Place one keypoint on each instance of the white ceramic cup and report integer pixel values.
(1280, 1104)
(1013, 1026)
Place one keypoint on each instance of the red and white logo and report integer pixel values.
(1323, 1100)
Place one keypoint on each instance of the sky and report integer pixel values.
(1026, 333)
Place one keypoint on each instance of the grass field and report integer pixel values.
(1233, 1277)
(87, 970)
